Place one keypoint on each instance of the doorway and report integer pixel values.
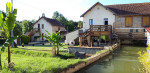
(105, 21)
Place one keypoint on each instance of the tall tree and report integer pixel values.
(55, 15)
(18, 29)
(26, 26)
(7, 25)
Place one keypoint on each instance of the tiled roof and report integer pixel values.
(51, 21)
(148, 29)
(131, 9)
(126, 9)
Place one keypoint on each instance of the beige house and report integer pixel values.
(127, 20)
(42, 24)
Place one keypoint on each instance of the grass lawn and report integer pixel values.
(35, 59)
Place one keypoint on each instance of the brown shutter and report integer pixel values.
(128, 22)
(145, 20)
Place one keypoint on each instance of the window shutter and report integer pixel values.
(145, 20)
(128, 21)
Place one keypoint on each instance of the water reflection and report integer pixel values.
(124, 60)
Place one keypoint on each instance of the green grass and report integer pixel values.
(34, 60)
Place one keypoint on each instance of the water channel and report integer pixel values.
(123, 60)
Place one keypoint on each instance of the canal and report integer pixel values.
(123, 60)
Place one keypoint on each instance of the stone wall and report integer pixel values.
(86, 50)
(136, 29)
(120, 23)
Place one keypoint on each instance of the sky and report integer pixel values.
(71, 9)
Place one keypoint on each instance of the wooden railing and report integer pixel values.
(34, 31)
(86, 33)
(100, 28)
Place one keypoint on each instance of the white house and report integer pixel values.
(42, 24)
(127, 20)
(148, 35)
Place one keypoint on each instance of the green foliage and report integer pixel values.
(105, 38)
(80, 24)
(18, 29)
(32, 64)
(54, 39)
(27, 61)
(7, 42)
(26, 26)
(144, 58)
(101, 51)
(8, 23)
(70, 25)
(25, 39)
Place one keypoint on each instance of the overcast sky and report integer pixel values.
(72, 9)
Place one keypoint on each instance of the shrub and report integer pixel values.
(25, 39)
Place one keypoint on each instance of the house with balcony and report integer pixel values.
(121, 21)
(42, 24)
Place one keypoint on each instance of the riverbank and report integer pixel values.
(100, 54)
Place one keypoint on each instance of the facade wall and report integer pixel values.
(137, 30)
(98, 13)
(119, 25)
(47, 27)
(57, 28)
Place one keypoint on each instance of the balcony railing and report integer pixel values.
(100, 28)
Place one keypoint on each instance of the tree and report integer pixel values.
(70, 25)
(8, 25)
(54, 39)
(26, 26)
(80, 24)
(18, 29)
(55, 15)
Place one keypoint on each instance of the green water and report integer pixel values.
(123, 60)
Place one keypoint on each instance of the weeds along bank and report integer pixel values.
(26, 61)
(145, 60)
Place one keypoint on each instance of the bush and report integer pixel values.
(145, 61)
(25, 39)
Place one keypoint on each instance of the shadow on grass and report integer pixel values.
(34, 49)
(65, 56)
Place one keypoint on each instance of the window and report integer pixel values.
(137, 30)
(128, 22)
(105, 21)
(38, 26)
(42, 26)
(131, 30)
(145, 20)
(91, 22)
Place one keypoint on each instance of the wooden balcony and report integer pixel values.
(93, 31)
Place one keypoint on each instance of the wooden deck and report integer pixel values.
(95, 30)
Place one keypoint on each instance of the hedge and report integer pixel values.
(25, 39)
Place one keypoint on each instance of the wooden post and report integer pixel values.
(9, 56)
